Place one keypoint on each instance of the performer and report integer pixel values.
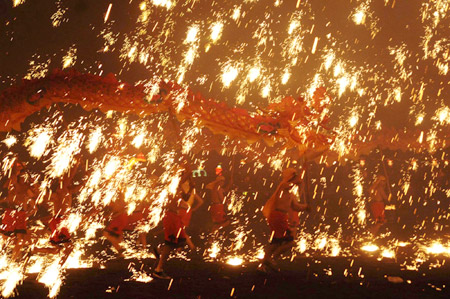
(174, 234)
(378, 197)
(294, 222)
(276, 210)
(20, 206)
(191, 201)
(114, 231)
(217, 208)
(62, 191)
(137, 217)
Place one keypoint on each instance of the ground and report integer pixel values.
(304, 277)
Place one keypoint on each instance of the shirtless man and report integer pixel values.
(114, 231)
(61, 204)
(20, 206)
(378, 197)
(137, 217)
(174, 234)
(191, 202)
(276, 210)
(217, 208)
(141, 214)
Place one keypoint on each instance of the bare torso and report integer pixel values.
(285, 200)
(217, 194)
(378, 193)
(19, 193)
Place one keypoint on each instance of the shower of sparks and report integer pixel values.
(18, 2)
(250, 55)
(39, 140)
(216, 31)
(360, 209)
(443, 115)
(52, 279)
(13, 275)
(70, 59)
(229, 74)
(58, 17)
(10, 141)
(95, 138)
(37, 69)
(62, 159)
(139, 276)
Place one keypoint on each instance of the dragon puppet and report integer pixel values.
(289, 123)
(292, 123)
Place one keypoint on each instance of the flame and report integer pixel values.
(235, 261)
(214, 250)
(437, 248)
(138, 140)
(370, 248)
(419, 119)
(254, 73)
(236, 13)
(285, 77)
(353, 120)
(388, 253)
(443, 115)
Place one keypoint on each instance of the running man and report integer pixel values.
(276, 210)
(191, 201)
(378, 197)
(62, 191)
(20, 206)
(217, 208)
(114, 231)
(175, 236)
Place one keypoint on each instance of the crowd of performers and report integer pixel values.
(281, 212)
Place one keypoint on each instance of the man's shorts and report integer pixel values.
(60, 234)
(218, 215)
(185, 215)
(174, 234)
(378, 211)
(279, 225)
(14, 222)
(133, 220)
(117, 225)
(294, 219)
